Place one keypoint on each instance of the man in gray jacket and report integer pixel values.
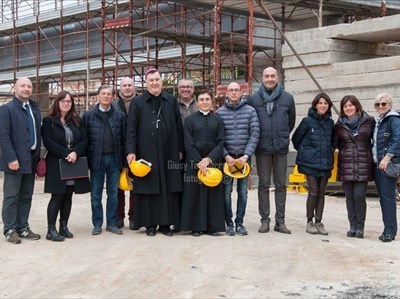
(277, 115)
(121, 103)
(186, 100)
(242, 132)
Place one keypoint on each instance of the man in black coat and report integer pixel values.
(154, 133)
(19, 153)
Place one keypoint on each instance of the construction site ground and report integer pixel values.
(270, 265)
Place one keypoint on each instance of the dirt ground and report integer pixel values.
(271, 265)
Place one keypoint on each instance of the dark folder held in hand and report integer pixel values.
(71, 171)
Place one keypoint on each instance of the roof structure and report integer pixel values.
(79, 44)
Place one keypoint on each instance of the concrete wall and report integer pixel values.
(361, 58)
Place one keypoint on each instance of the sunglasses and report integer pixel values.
(383, 104)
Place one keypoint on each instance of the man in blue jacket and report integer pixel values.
(242, 132)
(105, 129)
(19, 154)
(277, 115)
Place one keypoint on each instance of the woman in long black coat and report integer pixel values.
(313, 142)
(202, 206)
(63, 139)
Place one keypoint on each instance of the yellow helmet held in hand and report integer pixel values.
(140, 167)
(125, 182)
(212, 178)
(237, 171)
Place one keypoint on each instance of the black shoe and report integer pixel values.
(151, 231)
(359, 234)
(386, 237)
(165, 230)
(131, 225)
(351, 233)
(53, 235)
(96, 230)
(64, 230)
(120, 223)
(196, 233)
(214, 234)
(176, 229)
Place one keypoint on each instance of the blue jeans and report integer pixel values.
(387, 193)
(241, 201)
(17, 200)
(108, 169)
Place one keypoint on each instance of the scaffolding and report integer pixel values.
(78, 45)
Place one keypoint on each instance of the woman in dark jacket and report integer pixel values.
(63, 139)
(313, 142)
(353, 134)
(386, 149)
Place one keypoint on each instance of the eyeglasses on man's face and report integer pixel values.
(383, 104)
(234, 90)
(185, 87)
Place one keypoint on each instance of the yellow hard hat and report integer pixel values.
(237, 171)
(140, 167)
(125, 182)
(212, 178)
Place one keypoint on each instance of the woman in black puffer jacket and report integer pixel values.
(313, 142)
(353, 134)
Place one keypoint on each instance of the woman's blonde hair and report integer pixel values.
(384, 96)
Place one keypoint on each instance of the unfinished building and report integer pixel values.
(79, 44)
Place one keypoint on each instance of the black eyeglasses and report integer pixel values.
(383, 104)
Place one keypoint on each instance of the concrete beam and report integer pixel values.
(322, 58)
(371, 30)
(381, 64)
(376, 79)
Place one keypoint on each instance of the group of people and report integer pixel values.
(366, 145)
(183, 138)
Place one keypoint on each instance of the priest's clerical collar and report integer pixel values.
(204, 112)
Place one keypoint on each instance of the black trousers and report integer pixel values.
(356, 204)
(316, 196)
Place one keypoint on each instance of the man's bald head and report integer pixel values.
(23, 89)
(270, 78)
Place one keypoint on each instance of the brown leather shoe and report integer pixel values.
(264, 228)
(281, 228)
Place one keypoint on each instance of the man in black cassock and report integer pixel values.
(154, 133)
(202, 206)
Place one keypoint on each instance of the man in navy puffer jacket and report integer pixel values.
(242, 132)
